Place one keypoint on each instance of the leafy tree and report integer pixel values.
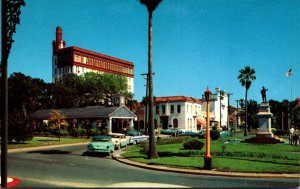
(87, 90)
(252, 114)
(246, 77)
(26, 93)
(151, 6)
(57, 121)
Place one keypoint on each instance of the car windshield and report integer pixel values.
(100, 139)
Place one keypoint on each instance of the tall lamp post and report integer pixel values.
(237, 113)
(221, 98)
(242, 103)
(9, 19)
(208, 157)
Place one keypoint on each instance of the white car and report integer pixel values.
(135, 137)
(119, 140)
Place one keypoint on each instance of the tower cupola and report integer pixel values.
(58, 43)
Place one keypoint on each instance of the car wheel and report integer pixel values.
(134, 142)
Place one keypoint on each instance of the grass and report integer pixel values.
(232, 156)
(46, 141)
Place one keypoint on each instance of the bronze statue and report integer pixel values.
(263, 94)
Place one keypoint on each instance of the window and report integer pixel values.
(172, 109)
(157, 108)
(163, 107)
(178, 108)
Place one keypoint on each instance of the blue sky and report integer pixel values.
(196, 43)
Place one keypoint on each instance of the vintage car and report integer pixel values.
(169, 131)
(186, 133)
(119, 140)
(102, 144)
(135, 137)
(224, 134)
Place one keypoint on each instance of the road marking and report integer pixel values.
(63, 183)
(145, 185)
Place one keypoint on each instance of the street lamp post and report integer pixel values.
(158, 123)
(207, 157)
(9, 19)
(242, 107)
(237, 114)
(221, 98)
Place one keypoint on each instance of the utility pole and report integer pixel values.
(147, 102)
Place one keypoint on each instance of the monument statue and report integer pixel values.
(263, 94)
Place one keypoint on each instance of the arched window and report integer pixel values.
(175, 123)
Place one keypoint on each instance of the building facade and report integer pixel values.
(221, 108)
(180, 112)
(75, 60)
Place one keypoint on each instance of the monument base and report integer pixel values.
(264, 138)
(264, 134)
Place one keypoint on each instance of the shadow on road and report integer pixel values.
(50, 152)
(95, 154)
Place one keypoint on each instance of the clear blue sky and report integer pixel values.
(196, 43)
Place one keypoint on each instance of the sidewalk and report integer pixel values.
(118, 156)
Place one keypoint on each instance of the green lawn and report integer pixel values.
(45, 141)
(231, 156)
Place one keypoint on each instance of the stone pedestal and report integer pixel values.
(264, 134)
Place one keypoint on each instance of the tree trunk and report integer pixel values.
(152, 143)
(246, 113)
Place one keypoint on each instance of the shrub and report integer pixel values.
(64, 132)
(81, 131)
(214, 134)
(144, 147)
(94, 131)
(193, 144)
(173, 140)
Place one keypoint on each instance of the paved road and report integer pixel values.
(66, 167)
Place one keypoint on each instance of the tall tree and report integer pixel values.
(246, 77)
(151, 6)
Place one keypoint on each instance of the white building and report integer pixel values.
(220, 108)
(180, 112)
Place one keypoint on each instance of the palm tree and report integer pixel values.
(151, 6)
(246, 77)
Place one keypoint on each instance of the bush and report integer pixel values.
(94, 131)
(193, 144)
(144, 147)
(81, 131)
(214, 134)
(19, 129)
(64, 132)
(173, 140)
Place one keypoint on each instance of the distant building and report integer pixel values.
(180, 112)
(67, 60)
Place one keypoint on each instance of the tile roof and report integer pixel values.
(177, 99)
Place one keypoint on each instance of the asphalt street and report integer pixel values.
(68, 167)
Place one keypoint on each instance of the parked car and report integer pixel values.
(168, 131)
(224, 134)
(101, 143)
(119, 140)
(135, 137)
(186, 133)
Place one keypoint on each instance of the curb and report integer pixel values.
(121, 159)
(17, 150)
